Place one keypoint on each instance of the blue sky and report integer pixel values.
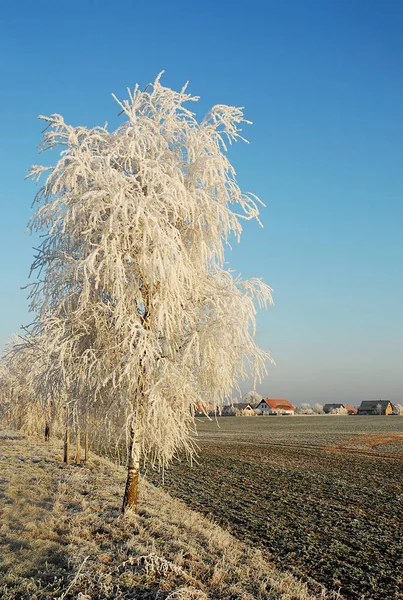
(323, 83)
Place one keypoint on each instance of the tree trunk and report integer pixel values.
(86, 443)
(47, 432)
(133, 467)
(67, 439)
(78, 448)
(67, 446)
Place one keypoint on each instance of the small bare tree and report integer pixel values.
(139, 315)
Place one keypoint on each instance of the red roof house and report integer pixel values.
(275, 406)
(352, 410)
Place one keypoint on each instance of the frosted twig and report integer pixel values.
(74, 579)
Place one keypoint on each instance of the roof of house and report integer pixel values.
(350, 408)
(278, 403)
(373, 404)
(203, 407)
(243, 405)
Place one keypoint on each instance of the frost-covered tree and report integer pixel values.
(252, 398)
(318, 409)
(339, 411)
(378, 409)
(141, 318)
(304, 409)
(18, 406)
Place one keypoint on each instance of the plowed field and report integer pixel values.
(321, 495)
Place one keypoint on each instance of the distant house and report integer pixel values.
(274, 406)
(375, 407)
(333, 408)
(328, 408)
(228, 410)
(352, 410)
(244, 409)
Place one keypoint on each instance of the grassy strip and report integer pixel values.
(62, 536)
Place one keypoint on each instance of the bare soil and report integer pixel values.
(320, 496)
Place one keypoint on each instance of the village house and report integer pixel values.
(331, 408)
(352, 410)
(275, 406)
(228, 410)
(244, 409)
(375, 407)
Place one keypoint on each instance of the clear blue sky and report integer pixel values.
(323, 83)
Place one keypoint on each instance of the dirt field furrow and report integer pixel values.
(335, 517)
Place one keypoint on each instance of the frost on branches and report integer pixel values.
(139, 316)
(18, 369)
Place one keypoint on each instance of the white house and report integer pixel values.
(275, 406)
